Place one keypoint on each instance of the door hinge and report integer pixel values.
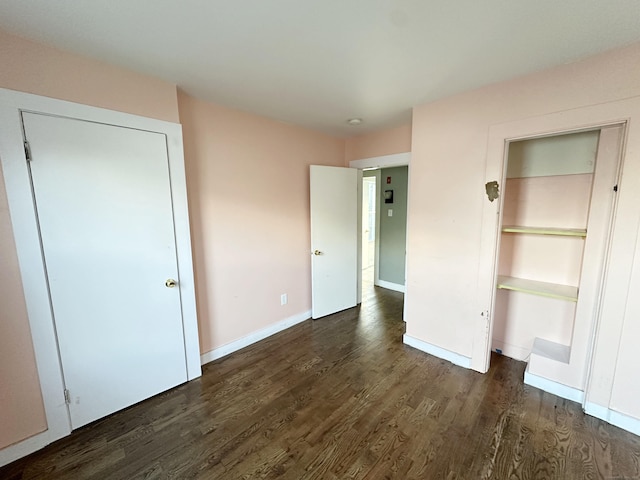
(27, 151)
(615, 188)
(67, 397)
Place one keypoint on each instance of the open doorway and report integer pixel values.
(383, 228)
(384, 199)
(370, 209)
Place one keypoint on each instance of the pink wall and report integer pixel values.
(248, 188)
(376, 144)
(35, 68)
(21, 407)
(449, 148)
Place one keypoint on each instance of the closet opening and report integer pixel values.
(554, 227)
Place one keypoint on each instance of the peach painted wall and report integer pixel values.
(34, 68)
(248, 188)
(449, 145)
(376, 144)
(21, 407)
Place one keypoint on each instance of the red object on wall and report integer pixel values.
(388, 180)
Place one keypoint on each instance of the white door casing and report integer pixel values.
(587, 118)
(334, 239)
(32, 271)
(103, 200)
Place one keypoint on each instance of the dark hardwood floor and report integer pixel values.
(343, 398)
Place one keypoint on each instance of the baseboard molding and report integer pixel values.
(555, 388)
(390, 286)
(597, 411)
(254, 337)
(626, 422)
(439, 352)
(26, 447)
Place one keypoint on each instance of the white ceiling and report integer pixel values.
(317, 63)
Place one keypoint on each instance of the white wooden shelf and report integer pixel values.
(552, 350)
(565, 232)
(544, 289)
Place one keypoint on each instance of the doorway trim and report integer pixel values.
(32, 268)
(384, 161)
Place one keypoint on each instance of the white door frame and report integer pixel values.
(384, 161)
(622, 240)
(32, 268)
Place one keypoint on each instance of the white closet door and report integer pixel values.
(104, 208)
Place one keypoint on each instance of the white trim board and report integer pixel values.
(32, 268)
(390, 286)
(618, 419)
(27, 446)
(384, 161)
(254, 337)
(555, 388)
(439, 352)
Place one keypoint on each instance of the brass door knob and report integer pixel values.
(170, 283)
(317, 252)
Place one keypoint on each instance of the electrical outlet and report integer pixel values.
(284, 299)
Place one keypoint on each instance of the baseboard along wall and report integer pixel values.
(254, 337)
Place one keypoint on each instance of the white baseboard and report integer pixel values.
(390, 286)
(254, 337)
(618, 419)
(439, 352)
(597, 411)
(555, 388)
(26, 447)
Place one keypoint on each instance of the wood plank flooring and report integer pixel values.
(343, 398)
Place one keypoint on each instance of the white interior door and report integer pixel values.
(104, 209)
(334, 239)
